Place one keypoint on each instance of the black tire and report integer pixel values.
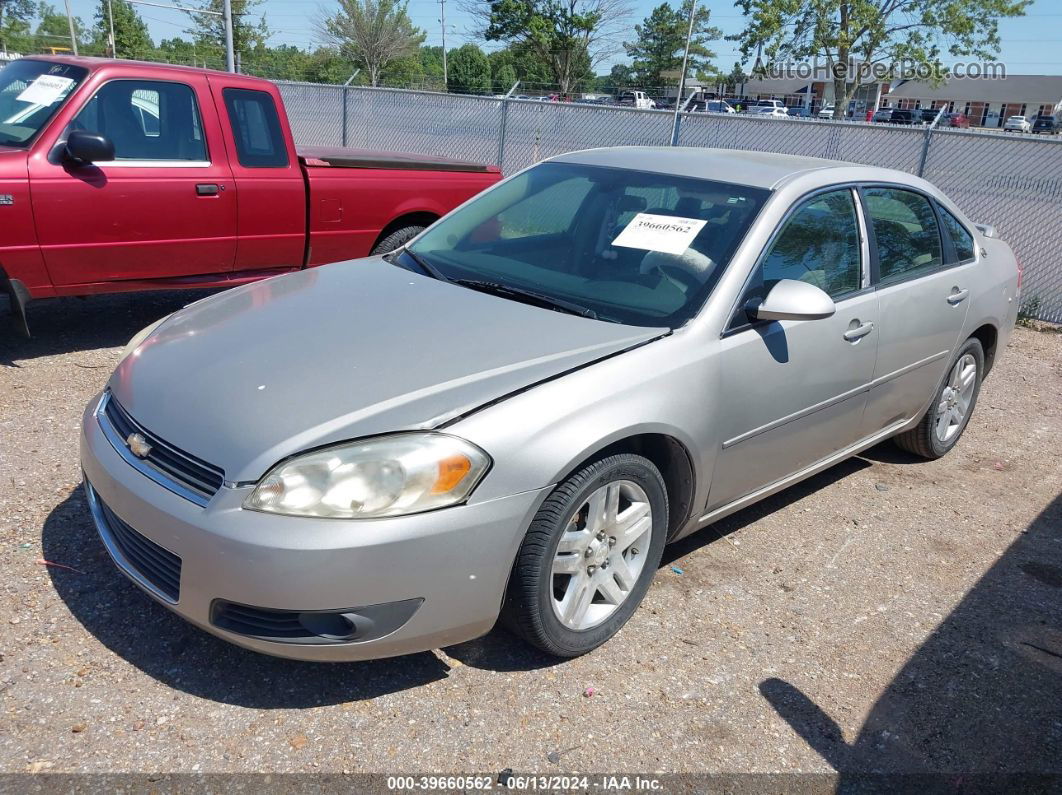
(396, 239)
(528, 610)
(922, 439)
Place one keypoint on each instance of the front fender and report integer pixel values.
(538, 436)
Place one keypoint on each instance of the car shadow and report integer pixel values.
(746, 516)
(166, 647)
(980, 698)
(66, 325)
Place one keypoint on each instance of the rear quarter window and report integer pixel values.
(961, 239)
(256, 128)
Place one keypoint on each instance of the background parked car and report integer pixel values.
(1052, 125)
(718, 106)
(764, 110)
(635, 99)
(955, 120)
(903, 117)
(826, 111)
(1018, 124)
(882, 115)
(799, 111)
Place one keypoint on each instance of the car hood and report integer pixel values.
(248, 377)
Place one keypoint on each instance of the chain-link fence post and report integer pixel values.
(343, 98)
(501, 132)
(925, 143)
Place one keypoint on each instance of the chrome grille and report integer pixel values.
(167, 465)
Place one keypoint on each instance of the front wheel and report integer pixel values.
(589, 556)
(947, 417)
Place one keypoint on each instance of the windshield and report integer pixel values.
(30, 94)
(630, 246)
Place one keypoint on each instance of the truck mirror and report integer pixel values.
(89, 147)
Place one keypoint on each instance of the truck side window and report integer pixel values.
(256, 128)
(146, 120)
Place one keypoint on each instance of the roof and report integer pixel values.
(756, 169)
(1044, 89)
(92, 63)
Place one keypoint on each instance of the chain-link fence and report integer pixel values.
(1013, 183)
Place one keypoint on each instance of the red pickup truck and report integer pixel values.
(118, 175)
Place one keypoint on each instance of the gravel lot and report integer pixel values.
(888, 615)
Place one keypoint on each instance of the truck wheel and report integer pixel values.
(396, 239)
(588, 556)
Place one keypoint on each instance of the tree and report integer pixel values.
(661, 40)
(736, 77)
(208, 30)
(503, 78)
(15, 17)
(372, 33)
(567, 36)
(131, 37)
(855, 35)
(468, 70)
(53, 30)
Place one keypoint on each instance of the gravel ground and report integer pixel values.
(887, 615)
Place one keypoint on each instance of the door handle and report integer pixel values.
(207, 189)
(957, 296)
(858, 332)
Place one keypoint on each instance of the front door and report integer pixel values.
(793, 392)
(164, 207)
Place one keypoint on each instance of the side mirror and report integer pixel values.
(89, 147)
(792, 300)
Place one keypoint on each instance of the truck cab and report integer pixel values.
(119, 175)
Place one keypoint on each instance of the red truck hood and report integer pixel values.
(12, 163)
(341, 157)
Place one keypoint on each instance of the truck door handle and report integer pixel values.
(207, 189)
(858, 332)
(957, 296)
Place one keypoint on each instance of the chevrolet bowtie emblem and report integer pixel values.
(138, 445)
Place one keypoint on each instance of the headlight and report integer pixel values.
(386, 476)
(140, 336)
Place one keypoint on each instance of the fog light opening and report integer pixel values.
(336, 626)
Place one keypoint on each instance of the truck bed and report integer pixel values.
(341, 157)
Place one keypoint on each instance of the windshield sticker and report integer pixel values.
(45, 90)
(664, 233)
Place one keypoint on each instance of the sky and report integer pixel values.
(1031, 44)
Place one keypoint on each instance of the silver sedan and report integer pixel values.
(514, 413)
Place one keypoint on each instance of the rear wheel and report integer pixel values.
(396, 239)
(589, 556)
(947, 417)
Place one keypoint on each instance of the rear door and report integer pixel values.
(922, 264)
(272, 211)
(164, 207)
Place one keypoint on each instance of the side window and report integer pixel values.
(256, 128)
(905, 227)
(961, 238)
(819, 244)
(146, 120)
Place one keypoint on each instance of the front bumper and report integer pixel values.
(456, 560)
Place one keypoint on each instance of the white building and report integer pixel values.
(986, 102)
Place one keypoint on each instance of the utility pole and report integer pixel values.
(73, 33)
(226, 14)
(682, 77)
(442, 19)
(230, 62)
(110, 17)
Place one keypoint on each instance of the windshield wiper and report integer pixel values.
(529, 296)
(424, 265)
